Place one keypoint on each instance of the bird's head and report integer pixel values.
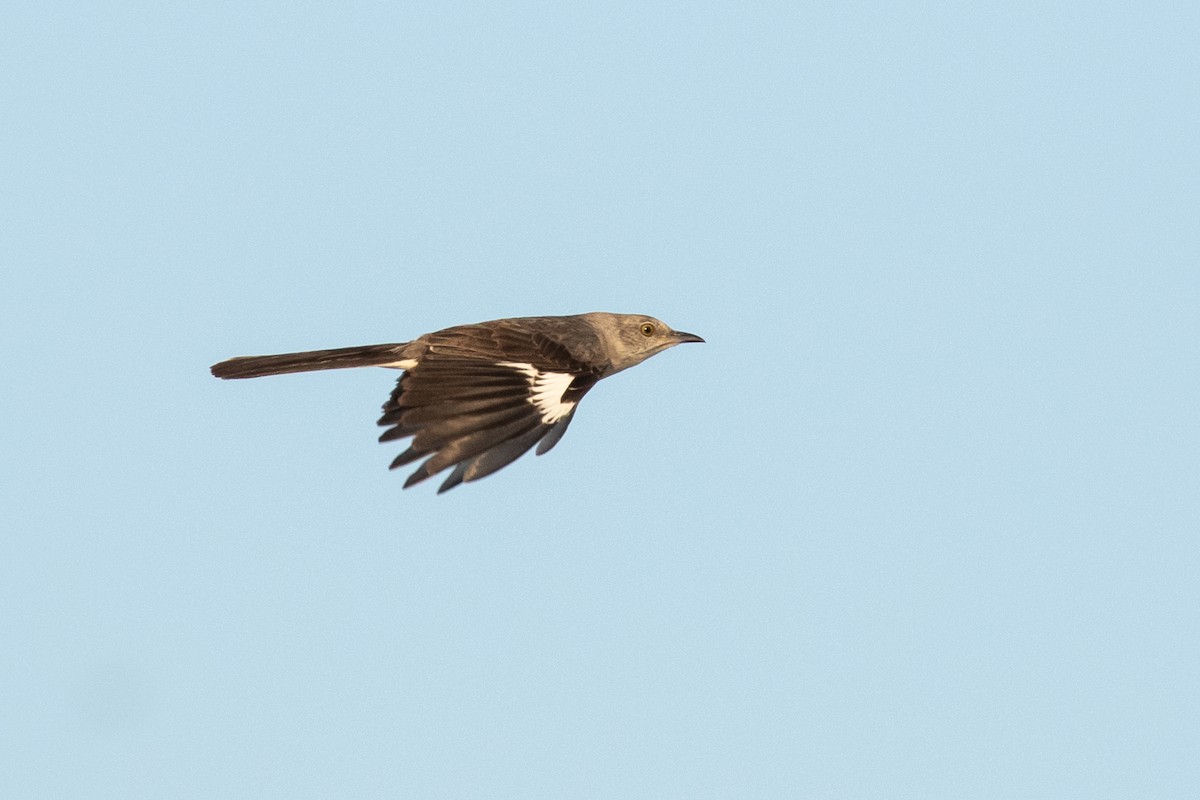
(632, 338)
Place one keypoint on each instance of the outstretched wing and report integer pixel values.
(468, 407)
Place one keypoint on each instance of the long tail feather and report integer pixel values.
(372, 355)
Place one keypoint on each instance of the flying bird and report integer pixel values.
(477, 397)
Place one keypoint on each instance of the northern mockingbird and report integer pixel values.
(476, 397)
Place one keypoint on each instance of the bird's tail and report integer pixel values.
(371, 355)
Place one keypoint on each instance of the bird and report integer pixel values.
(474, 398)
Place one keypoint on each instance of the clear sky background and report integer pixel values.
(920, 520)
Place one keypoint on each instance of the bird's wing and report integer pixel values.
(478, 406)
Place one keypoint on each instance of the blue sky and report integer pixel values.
(920, 520)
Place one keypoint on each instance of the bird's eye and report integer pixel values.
(647, 329)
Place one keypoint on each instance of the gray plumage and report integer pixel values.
(477, 397)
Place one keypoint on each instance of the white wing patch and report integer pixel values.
(405, 363)
(546, 390)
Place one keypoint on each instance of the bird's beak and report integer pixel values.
(681, 337)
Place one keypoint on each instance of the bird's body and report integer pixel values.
(476, 397)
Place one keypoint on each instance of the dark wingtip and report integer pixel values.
(454, 480)
(416, 477)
